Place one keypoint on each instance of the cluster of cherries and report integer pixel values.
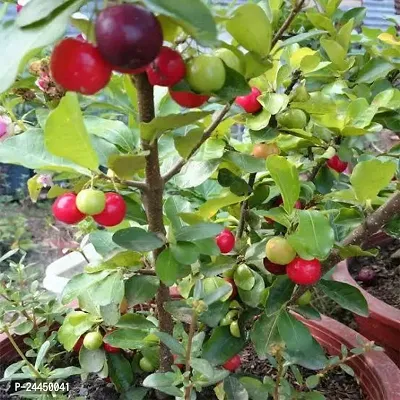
(107, 209)
(282, 259)
(129, 39)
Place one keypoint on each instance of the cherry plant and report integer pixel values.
(217, 158)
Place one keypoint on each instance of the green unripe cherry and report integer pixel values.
(93, 340)
(279, 251)
(90, 201)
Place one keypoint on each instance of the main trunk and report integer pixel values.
(152, 198)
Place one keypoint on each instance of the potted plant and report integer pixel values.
(133, 131)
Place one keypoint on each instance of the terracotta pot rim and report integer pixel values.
(378, 309)
(377, 373)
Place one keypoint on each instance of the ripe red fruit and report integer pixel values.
(233, 364)
(78, 345)
(114, 212)
(250, 103)
(78, 66)
(304, 272)
(128, 36)
(167, 69)
(337, 164)
(65, 210)
(225, 241)
(269, 221)
(188, 99)
(180, 366)
(275, 269)
(110, 349)
(234, 288)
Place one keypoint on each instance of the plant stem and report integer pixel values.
(152, 198)
(218, 117)
(296, 9)
(278, 375)
(243, 210)
(21, 354)
(192, 331)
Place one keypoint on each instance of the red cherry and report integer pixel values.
(304, 272)
(65, 210)
(167, 69)
(78, 66)
(275, 269)
(180, 366)
(269, 221)
(114, 212)
(130, 71)
(188, 99)
(225, 241)
(78, 345)
(233, 364)
(249, 103)
(108, 379)
(234, 288)
(19, 8)
(337, 164)
(110, 349)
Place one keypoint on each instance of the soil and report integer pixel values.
(336, 386)
(385, 285)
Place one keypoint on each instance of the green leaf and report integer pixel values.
(81, 283)
(135, 393)
(253, 297)
(66, 135)
(320, 21)
(214, 313)
(246, 162)
(194, 17)
(141, 288)
(64, 373)
(308, 312)
(286, 177)
(301, 37)
(202, 366)
(185, 252)
(185, 144)
(114, 131)
(36, 11)
(234, 390)
(92, 360)
(255, 388)
(110, 312)
(208, 209)
(19, 43)
(250, 27)
(355, 251)
(235, 85)
(208, 247)
(126, 338)
(370, 177)
(167, 268)
(171, 343)
(265, 334)
(28, 149)
(300, 345)
(120, 371)
(336, 53)
(163, 382)
(23, 328)
(126, 165)
(179, 310)
(274, 102)
(13, 368)
(349, 216)
(194, 173)
(259, 121)
(42, 354)
(134, 321)
(280, 293)
(135, 212)
(221, 346)
(198, 232)
(277, 214)
(102, 242)
(109, 290)
(137, 239)
(374, 69)
(150, 130)
(312, 381)
(347, 296)
(314, 236)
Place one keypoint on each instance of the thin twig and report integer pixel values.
(146, 272)
(296, 77)
(243, 210)
(279, 374)
(219, 116)
(287, 23)
(314, 172)
(133, 184)
(192, 331)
